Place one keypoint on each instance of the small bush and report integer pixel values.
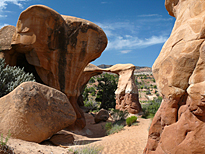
(11, 77)
(108, 126)
(115, 129)
(131, 120)
(119, 115)
(4, 148)
(148, 92)
(151, 108)
(111, 129)
(87, 150)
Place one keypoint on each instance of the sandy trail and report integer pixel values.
(131, 140)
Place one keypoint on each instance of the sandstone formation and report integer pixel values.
(102, 115)
(62, 139)
(6, 34)
(89, 71)
(56, 48)
(34, 112)
(178, 126)
(127, 92)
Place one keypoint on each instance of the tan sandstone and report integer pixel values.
(178, 126)
(34, 112)
(127, 92)
(57, 48)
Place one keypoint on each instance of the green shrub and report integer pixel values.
(119, 115)
(92, 80)
(108, 126)
(151, 108)
(111, 129)
(115, 129)
(87, 150)
(4, 148)
(148, 92)
(131, 120)
(11, 77)
(107, 84)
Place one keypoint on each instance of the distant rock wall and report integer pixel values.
(178, 126)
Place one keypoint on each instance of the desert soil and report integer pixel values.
(131, 140)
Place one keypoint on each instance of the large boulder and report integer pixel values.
(178, 126)
(127, 92)
(34, 112)
(57, 48)
(102, 115)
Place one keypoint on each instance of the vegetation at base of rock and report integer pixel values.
(118, 124)
(151, 108)
(11, 77)
(131, 120)
(119, 115)
(111, 129)
(4, 148)
(92, 105)
(87, 150)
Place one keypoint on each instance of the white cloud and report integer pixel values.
(4, 3)
(125, 51)
(127, 36)
(150, 15)
(128, 43)
(3, 25)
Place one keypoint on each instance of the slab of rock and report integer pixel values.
(34, 112)
(62, 139)
(178, 126)
(59, 47)
(127, 92)
(102, 115)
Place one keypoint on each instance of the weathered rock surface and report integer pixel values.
(62, 138)
(6, 34)
(89, 71)
(178, 126)
(102, 115)
(127, 91)
(59, 47)
(34, 112)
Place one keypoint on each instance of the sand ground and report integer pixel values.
(131, 140)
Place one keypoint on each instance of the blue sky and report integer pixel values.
(136, 29)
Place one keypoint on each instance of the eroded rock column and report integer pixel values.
(59, 47)
(127, 92)
(178, 126)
